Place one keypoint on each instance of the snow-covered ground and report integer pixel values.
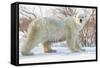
(62, 54)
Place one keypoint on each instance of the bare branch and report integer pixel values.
(29, 12)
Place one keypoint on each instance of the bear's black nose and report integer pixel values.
(80, 20)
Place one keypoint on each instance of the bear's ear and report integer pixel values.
(76, 16)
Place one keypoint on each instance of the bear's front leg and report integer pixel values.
(78, 44)
(71, 38)
(47, 47)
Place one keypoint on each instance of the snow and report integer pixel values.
(55, 58)
(62, 54)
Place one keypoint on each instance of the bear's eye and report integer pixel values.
(82, 17)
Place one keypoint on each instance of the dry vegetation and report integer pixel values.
(88, 34)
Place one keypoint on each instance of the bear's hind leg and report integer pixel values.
(31, 41)
(47, 47)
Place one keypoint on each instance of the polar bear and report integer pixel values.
(47, 30)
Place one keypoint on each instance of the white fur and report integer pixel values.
(54, 30)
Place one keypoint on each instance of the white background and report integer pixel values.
(5, 34)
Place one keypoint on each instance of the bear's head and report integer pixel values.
(82, 15)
